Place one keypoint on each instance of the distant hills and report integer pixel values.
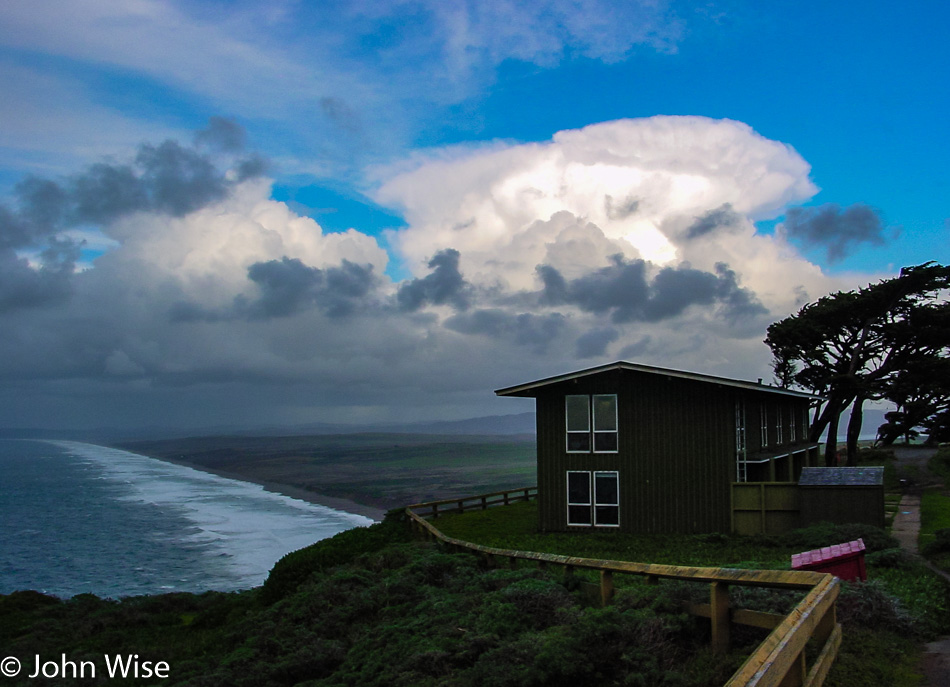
(492, 425)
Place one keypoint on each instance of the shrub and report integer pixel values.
(296, 567)
(827, 534)
(868, 605)
(895, 558)
(940, 544)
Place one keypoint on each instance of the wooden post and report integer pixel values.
(795, 677)
(435, 511)
(506, 498)
(719, 601)
(606, 587)
(484, 503)
(652, 580)
(513, 561)
(568, 573)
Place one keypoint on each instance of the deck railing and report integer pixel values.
(778, 661)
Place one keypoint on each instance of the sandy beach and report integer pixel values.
(293, 492)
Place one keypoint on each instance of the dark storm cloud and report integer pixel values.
(288, 286)
(624, 291)
(251, 167)
(620, 209)
(106, 192)
(222, 134)
(444, 286)
(167, 178)
(839, 231)
(594, 343)
(524, 329)
(723, 216)
(23, 286)
(179, 180)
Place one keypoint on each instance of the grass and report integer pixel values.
(901, 587)
(384, 470)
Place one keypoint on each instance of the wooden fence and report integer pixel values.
(765, 507)
(480, 502)
(779, 661)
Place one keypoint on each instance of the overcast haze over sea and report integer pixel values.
(80, 518)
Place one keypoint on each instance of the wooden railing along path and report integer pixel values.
(779, 661)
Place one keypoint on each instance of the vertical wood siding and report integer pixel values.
(676, 458)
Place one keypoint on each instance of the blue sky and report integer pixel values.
(380, 211)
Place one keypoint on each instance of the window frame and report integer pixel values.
(616, 476)
(592, 430)
(593, 502)
(590, 499)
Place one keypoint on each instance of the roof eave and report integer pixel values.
(526, 389)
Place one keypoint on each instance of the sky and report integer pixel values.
(224, 213)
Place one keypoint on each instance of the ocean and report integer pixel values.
(78, 518)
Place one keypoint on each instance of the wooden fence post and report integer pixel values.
(435, 511)
(606, 587)
(719, 601)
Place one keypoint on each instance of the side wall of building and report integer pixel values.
(675, 459)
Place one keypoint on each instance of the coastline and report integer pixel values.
(299, 493)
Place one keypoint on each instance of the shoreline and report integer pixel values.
(288, 490)
(299, 493)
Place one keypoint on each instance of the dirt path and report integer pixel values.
(912, 470)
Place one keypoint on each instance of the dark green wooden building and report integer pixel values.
(645, 449)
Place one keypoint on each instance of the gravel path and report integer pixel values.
(912, 467)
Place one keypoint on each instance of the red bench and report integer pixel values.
(841, 560)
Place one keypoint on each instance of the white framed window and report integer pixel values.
(764, 424)
(577, 411)
(778, 425)
(792, 426)
(591, 422)
(579, 498)
(607, 499)
(593, 498)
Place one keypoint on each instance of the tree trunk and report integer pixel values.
(854, 429)
(831, 443)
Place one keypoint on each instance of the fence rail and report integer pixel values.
(480, 502)
(779, 661)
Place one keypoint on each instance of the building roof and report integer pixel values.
(528, 389)
(842, 477)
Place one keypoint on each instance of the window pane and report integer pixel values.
(605, 412)
(605, 488)
(605, 441)
(608, 515)
(578, 414)
(578, 487)
(578, 515)
(578, 441)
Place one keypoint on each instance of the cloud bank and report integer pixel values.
(630, 239)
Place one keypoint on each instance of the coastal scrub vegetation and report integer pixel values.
(371, 606)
